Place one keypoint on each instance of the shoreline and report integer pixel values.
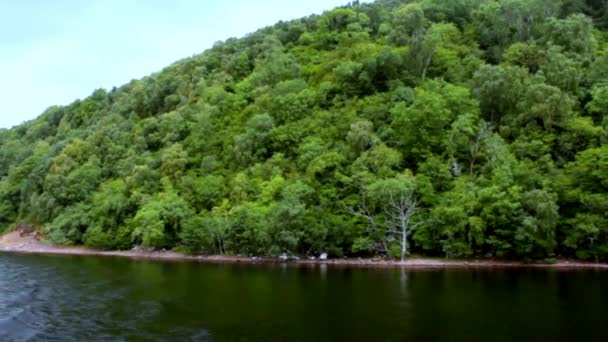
(14, 244)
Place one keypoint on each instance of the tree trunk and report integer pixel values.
(405, 222)
(403, 244)
(426, 64)
(220, 244)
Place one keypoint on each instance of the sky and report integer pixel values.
(54, 52)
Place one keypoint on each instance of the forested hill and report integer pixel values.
(481, 123)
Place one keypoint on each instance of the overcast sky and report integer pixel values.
(54, 52)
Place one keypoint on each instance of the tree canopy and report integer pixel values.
(488, 117)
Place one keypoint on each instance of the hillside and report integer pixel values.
(477, 127)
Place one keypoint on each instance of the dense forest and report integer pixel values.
(444, 128)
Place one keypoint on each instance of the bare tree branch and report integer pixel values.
(398, 211)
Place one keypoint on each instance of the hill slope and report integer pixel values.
(476, 127)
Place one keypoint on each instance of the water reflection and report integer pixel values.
(323, 271)
(403, 282)
(84, 298)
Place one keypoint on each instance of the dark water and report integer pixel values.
(89, 298)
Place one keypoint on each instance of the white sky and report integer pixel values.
(54, 52)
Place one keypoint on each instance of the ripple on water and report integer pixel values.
(18, 295)
(82, 307)
(46, 298)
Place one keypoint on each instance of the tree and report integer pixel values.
(454, 225)
(598, 106)
(498, 89)
(574, 34)
(205, 232)
(393, 206)
(110, 207)
(173, 161)
(544, 107)
(408, 24)
(584, 204)
(253, 145)
(561, 71)
(502, 23)
(466, 141)
(159, 222)
(485, 119)
(421, 126)
(361, 136)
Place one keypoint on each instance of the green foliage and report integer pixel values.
(491, 115)
(159, 222)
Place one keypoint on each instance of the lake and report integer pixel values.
(83, 298)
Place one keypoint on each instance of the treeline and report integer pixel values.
(487, 117)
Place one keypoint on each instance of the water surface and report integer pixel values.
(76, 298)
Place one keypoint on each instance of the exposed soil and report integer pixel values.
(30, 243)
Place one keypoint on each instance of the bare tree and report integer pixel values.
(399, 208)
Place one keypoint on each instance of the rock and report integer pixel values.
(293, 257)
(323, 256)
(25, 229)
(312, 257)
(283, 257)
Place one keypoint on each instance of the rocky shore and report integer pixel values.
(30, 243)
